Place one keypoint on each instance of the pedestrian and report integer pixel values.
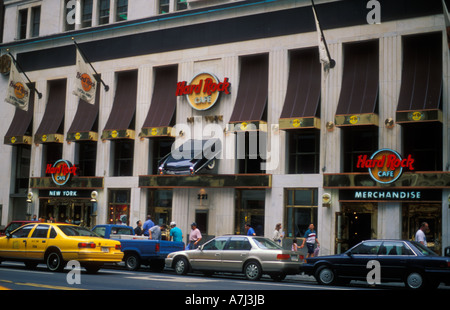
(34, 219)
(147, 225)
(420, 234)
(294, 245)
(194, 237)
(175, 233)
(155, 232)
(250, 230)
(277, 234)
(138, 230)
(310, 238)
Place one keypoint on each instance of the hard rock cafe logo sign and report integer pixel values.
(203, 91)
(385, 166)
(61, 171)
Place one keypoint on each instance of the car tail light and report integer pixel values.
(157, 247)
(161, 171)
(283, 256)
(89, 245)
(191, 169)
(118, 246)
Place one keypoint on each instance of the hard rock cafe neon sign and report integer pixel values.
(385, 166)
(203, 91)
(61, 171)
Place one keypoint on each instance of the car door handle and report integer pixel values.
(43, 241)
(244, 254)
(217, 254)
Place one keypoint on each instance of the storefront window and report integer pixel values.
(250, 209)
(119, 206)
(304, 151)
(301, 211)
(250, 148)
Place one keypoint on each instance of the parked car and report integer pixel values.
(139, 250)
(253, 256)
(191, 157)
(13, 226)
(55, 244)
(400, 261)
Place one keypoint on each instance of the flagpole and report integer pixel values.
(332, 62)
(23, 72)
(97, 76)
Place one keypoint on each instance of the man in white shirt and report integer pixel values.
(420, 234)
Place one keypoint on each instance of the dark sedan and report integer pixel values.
(191, 157)
(399, 261)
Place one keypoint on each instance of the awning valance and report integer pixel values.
(251, 101)
(51, 128)
(302, 103)
(120, 124)
(421, 88)
(359, 91)
(160, 118)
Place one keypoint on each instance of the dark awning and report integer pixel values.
(84, 125)
(421, 88)
(251, 100)
(359, 92)
(191, 157)
(302, 103)
(120, 123)
(20, 130)
(160, 117)
(51, 128)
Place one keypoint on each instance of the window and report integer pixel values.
(304, 151)
(424, 141)
(35, 21)
(86, 14)
(103, 15)
(301, 211)
(122, 10)
(362, 140)
(181, 5)
(87, 155)
(123, 157)
(41, 231)
(52, 152)
(22, 169)
(119, 205)
(23, 232)
(69, 15)
(366, 248)
(216, 244)
(395, 248)
(160, 205)
(239, 243)
(164, 6)
(250, 147)
(23, 21)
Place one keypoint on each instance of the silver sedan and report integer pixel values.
(250, 255)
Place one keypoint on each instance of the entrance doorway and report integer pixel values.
(415, 214)
(76, 211)
(250, 209)
(354, 224)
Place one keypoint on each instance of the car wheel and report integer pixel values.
(415, 281)
(132, 261)
(54, 261)
(253, 271)
(92, 268)
(325, 275)
(181, 266)
(278, 277)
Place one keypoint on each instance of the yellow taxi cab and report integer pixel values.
(55, 244)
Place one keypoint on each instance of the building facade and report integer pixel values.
(299, 144)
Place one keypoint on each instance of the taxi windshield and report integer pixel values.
(72, 231)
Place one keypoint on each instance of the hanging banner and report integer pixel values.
(18, 93)
(85, 85)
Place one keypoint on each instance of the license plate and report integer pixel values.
(294, 258)
(105, 250)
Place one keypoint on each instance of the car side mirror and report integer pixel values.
(349, 254)
(8, 235)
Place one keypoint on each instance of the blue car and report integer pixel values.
(398, 261)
